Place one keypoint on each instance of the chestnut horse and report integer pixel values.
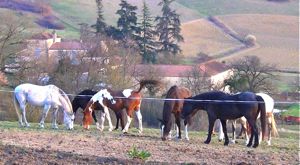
(82, 99)
(173, 105)
(127, 99)
(220, 105)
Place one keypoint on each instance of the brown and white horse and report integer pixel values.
(173, 105)
(127, 99)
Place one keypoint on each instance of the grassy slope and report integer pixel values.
(277, 36)
(225, 7)
(202, 36)
(73, 12)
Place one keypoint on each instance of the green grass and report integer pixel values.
(225, 7)
(293, 110)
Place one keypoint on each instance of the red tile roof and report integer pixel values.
(70, 45)
(42, 36)
(210, 68)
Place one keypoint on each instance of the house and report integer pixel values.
(215, 71)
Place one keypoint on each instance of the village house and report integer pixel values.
(215, 71)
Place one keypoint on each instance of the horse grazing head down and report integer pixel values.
(68, 110)
(100, 96)
(173, 105)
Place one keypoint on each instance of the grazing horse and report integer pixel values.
(220, 105)
(173, 105)
(270, 121)
(82, 99)
(46, 96)
(125, 99)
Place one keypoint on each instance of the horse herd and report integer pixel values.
(179, 102)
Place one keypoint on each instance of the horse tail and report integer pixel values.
(143, 83)
(274, 127)
(262, 110)
(17, 106)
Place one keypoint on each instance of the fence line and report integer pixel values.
(192, 100)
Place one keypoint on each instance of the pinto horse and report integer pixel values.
(173, 105)
(125, 99)
(46, 96)
(220, 105)
(270, 121)
(81, 101)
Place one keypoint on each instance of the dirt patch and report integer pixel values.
(92, 147)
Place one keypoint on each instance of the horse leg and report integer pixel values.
(95, 118)
(108, 118)
(22, 115)
(44, 114)
(220, 131)
(139, 117)
(269, 131)
(127, 124)
(211, 121)
(118, 120)
(254, 134)
(54, 115)
(223, 122)
(102, 119)
(177, 120)
(233, 131)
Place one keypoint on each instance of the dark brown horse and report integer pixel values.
(173, 105)
(127, 99)
(220, 105)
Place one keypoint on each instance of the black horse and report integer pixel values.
(82, 99)
(220, 105)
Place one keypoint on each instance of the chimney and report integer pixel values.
(54, 36)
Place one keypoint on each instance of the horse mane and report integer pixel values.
(143, 83)
(65, 96)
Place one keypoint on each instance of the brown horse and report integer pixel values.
(173, 105)
(125, 99)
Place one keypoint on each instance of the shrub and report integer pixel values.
(250, 40)
(134, 153)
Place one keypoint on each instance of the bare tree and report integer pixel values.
(249, 74)
(196, 80)
(11, 38)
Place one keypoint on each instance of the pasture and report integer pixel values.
(32, 145)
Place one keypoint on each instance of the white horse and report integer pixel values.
(46, 96)
(269, 105)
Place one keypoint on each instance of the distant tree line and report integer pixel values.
(149, 35)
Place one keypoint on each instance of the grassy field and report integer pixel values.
(276, 35)
(225, 7)
(201, 36)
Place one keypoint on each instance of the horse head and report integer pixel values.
(68, 110)
(87, 115)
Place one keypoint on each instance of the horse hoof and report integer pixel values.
(255, 145)
(124, 133)
(206, 142)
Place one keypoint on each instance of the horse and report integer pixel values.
(173, 105)
(127, 99)
(47, 96)
(223, 106)
(271, 124)
(82, 99)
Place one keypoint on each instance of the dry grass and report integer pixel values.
(202, 36)
(277, 36)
